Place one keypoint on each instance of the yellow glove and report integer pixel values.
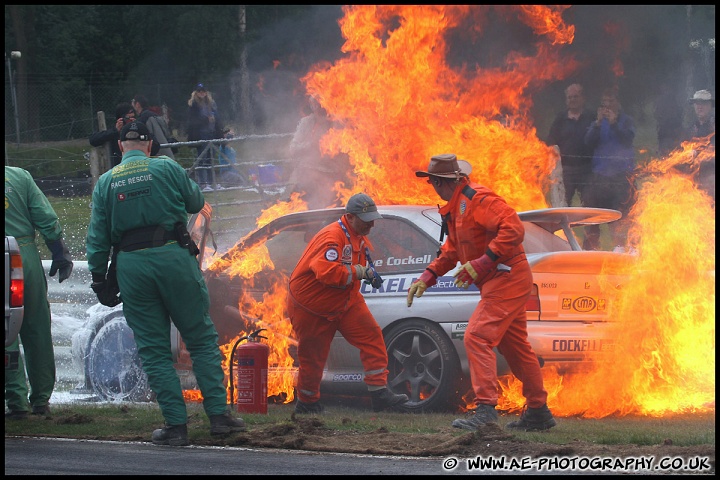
(416, 290)
(474, 270)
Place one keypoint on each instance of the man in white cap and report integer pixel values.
(485, 235)
(704, 126)
(324, 297)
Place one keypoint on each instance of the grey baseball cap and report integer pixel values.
(363, 207)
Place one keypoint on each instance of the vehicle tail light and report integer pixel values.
(17, 282)
(532, 306)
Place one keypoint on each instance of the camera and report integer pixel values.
(127, 119)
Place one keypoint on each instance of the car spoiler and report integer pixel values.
(565, 218)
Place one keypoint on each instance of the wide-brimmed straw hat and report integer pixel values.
(446, 165)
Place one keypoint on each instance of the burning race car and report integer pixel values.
(568, 321)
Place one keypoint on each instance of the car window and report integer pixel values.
(287, 246)
(399, 246)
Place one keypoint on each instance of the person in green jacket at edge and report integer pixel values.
(28, 210)
(139, 208)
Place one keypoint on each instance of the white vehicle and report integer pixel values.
(14, 296)
(567, 311)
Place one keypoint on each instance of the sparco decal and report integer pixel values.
(347, 377)
(143, 192)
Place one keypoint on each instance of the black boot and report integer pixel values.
(481, 415)
(226, 423)
(173, 435)
(384, 398)
(533, 419)
(302, 408)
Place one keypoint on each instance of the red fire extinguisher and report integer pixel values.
(251, 379)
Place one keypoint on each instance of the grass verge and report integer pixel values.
(135, 421)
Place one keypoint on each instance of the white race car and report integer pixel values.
(567, 311)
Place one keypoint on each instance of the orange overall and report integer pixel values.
(324, 297)
(479, 221)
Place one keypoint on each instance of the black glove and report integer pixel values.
(370, 276)
(376, 281)
(61, 259)
(107, 292)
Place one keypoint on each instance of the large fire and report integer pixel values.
(399, 102)
(665, 351)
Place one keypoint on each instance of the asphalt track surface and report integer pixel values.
(45, 456)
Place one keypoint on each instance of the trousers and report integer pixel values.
(160, 285)
(36, 339)
(500, 320)
(315, 333)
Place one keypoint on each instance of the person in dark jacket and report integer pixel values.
(203, 124)
(124, 113)
(568, 133)
(157, 125)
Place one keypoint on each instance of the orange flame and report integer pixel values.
(664, 358)
(400, 102)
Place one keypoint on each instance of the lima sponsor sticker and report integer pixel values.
(331, 255)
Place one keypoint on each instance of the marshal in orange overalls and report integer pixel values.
(478, 223)
(324, 298)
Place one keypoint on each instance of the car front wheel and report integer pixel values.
(424, 365)
(113, 364)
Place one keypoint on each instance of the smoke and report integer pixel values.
(281, 55)
(636, 48)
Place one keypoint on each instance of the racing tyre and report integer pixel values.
(114, 368)
(424, 365)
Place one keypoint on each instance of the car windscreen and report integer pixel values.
(399, 246)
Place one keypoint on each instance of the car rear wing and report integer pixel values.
(565, 218)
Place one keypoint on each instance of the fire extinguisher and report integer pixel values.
(252, 374)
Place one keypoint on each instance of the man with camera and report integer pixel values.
(324, 297)
(124, 114)
(140, 208)
(611, 138)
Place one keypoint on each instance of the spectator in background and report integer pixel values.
(203, 124)
(28, 211)
(611, 137)
(124, 113)
(704, 118)
(156, 124)
(567, 132)
(314, 173)
(669, 117)
(704, 126)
